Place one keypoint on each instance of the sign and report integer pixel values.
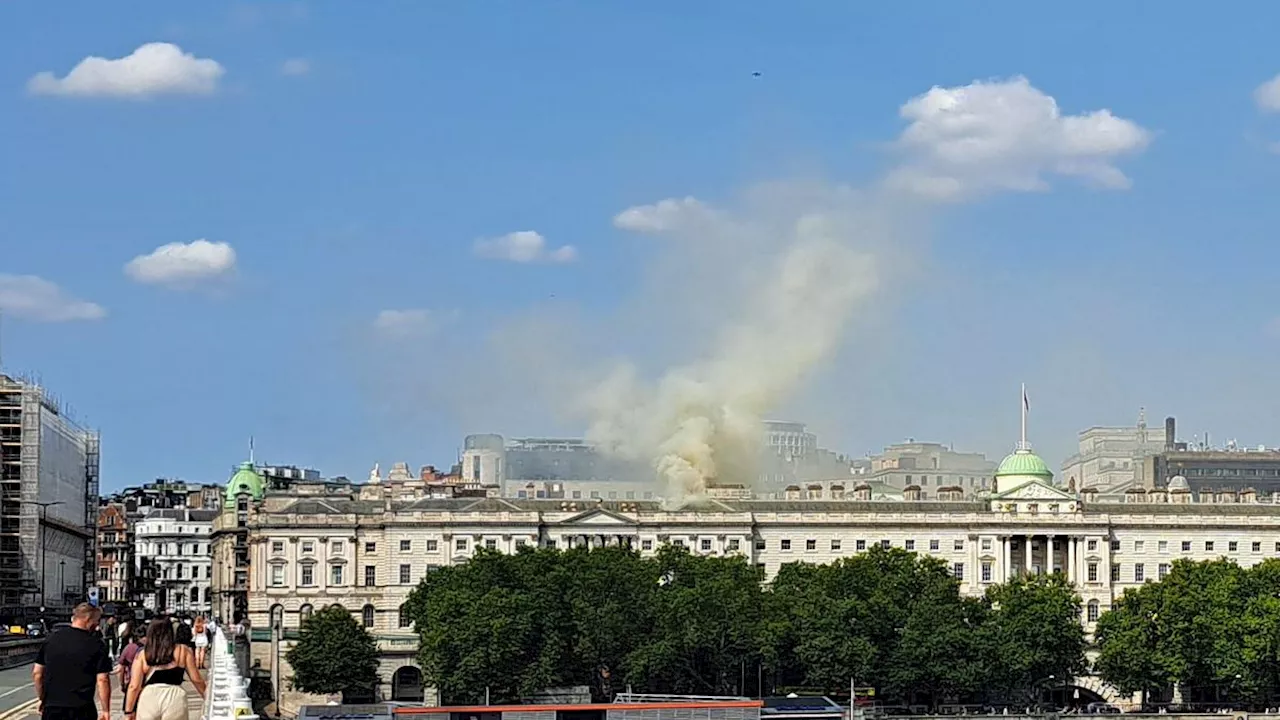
(93, 596)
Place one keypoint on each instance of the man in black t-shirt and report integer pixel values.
(73, 662)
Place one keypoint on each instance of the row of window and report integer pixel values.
(367, 616)
(152, 549)
(1186, 545)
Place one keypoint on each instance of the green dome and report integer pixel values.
(247, 480)
(1024, 463)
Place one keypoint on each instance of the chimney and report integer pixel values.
(1170, 434)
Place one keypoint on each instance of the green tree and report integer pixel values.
(334, 654)
(1131, 655)
(1201, 627)
(707, 625)
(1033, 638)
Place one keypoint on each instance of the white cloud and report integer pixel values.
(152, 69)
(404, 323)
(33, 298)
(1007, 135)
(183, 263)
(525, 246)
(662, 216)
(295, 67)
(1267, 95)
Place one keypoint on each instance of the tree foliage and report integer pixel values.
(1212, 628)
(334, 654)
(676, 622)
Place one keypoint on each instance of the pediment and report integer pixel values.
(599, 517)
(1037, 491)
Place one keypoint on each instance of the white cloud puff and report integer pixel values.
(153, 69)
(295, 66)
(662, 216)
(28, 297)
(1267, 95)
(1007, 135)
(183, 263)
(404, 323)
(525, 246)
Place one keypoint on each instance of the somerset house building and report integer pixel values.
(365, 546)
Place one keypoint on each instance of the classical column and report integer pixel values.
(1026, 566)
(1006, 558)
(1048, 555)
(1072, 570)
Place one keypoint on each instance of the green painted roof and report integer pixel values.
(245, 479)
(1024, 463)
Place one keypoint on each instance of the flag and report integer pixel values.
(1026, 404)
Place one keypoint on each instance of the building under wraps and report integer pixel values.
(48, 503)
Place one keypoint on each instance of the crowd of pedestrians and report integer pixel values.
(151, 659)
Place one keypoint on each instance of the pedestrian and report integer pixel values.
(201, 638)
(155, 683)
(184, 636)
(70, 665)
(111, 632)
(124, 633)
(125, 663)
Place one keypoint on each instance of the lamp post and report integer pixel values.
(62, 578)
(44, 546)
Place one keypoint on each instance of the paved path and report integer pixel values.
(18, 697)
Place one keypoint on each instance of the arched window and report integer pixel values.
(405, 621)
(1091, 611)
(304, 613)
(277, 617)
(367, 615)
(195, 595)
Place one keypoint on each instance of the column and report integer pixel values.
(1048, 555)
(1072, 570)
(1026, 565)
(1006, 559)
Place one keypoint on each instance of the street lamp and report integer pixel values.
(44, 550)
(62, 578)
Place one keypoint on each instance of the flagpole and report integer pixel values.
(1023, 405)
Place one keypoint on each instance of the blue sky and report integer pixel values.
(351, 155)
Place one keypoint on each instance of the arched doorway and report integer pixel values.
(406, 684)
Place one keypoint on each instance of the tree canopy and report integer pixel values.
(334, 654)
(677, 622)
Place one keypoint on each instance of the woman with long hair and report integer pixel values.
(155, 682)
(201, 640)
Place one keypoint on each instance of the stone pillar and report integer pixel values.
(1073, 572)
(1026, 565)
(1048, 555)
(1006, 559)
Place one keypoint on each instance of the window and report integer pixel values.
(860, 545)
(277, 575)
(1115, 573)
(1163, 546)
(1091, 612)
(986, 543)
(986, 571)
(786, 544)
(1233, 546)
(734, 544)
(1186, 546)
(403, 619)
(957, 569)
(835, 545)
(277, 546)
(646, 544)
(1139, 572)
(958, 545)
(909, 544)
(103, 574)
(433, 546)
(370, 547)
(367, 616)
(934, 544)
(307, 576)
(370, 575)
(208, 572)
(886, 544)
(406, 546)
(705, 544)
(1256, 547)
(335, 575)
(1115, 546)
(460, 544)
(810, 544)
(1208, 546)
(1139, 545)
(308, 547)
(1162, 571)
(304, 612)
(1092, 545)
(181, 569)
(406, 574)
(490, 543)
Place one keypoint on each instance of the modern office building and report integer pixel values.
(48, 503)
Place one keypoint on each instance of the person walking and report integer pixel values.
(201, 640)
(109, 634)
(70, 666)
(125, 663)
(155, 682)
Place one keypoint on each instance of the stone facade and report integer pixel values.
(176, 544)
